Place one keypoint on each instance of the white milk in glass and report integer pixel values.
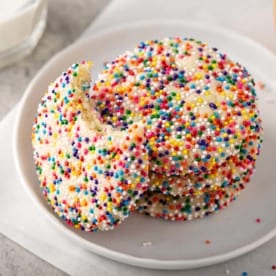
(22, 23)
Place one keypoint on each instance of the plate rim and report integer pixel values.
(98, 249)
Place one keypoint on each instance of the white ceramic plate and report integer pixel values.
(174, 245)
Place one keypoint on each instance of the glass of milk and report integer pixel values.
(22, 23)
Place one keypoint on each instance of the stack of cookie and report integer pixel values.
(202, 123)
(170, 129)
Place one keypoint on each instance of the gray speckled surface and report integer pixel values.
(64, 25)
(17, 261)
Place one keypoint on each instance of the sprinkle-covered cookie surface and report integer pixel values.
(176, 208)
(186, 198)
(198, 104)
(90, 173)
(196, 203)
(222, 174)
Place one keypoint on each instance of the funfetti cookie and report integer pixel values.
(90, 173)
